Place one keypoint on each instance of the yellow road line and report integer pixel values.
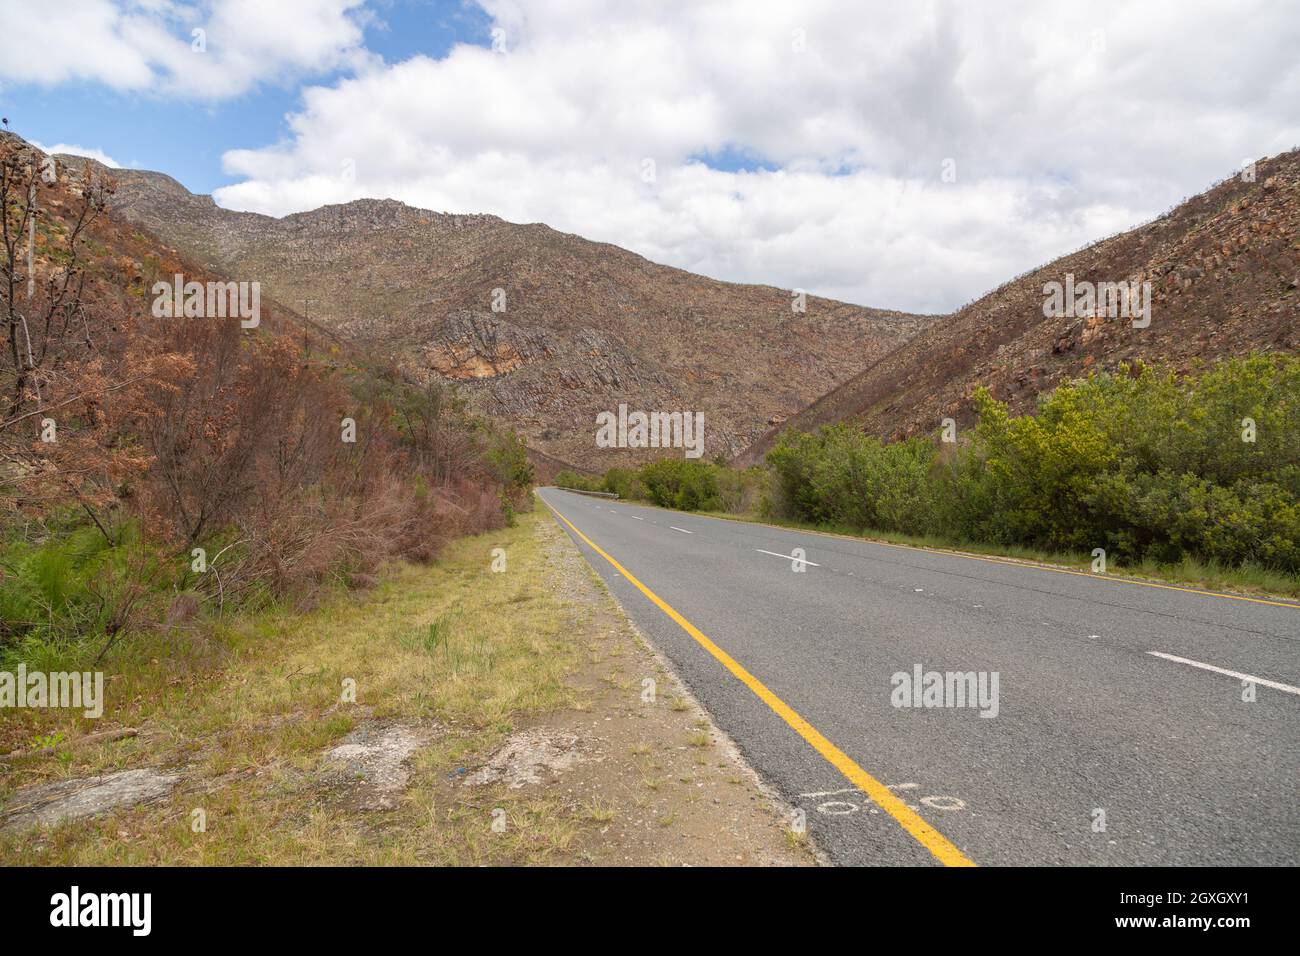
(922, 832)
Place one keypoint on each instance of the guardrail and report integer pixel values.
(594, 494)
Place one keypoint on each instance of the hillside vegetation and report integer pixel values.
(155, 472)
(1224, 275)
(542, 329)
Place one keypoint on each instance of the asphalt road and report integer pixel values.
(1100, 752)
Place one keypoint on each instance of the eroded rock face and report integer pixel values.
(54, 803)
(467, 345)
(528, 757)
(372, 763)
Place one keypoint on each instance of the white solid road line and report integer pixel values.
(1227, 673)
(682, 530)
(788, 557)
(638, 519)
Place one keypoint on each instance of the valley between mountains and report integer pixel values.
(542, 329)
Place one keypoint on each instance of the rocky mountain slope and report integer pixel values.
(1223, 267)
(544, 329)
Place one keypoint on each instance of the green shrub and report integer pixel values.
(839, 476)
(70, 589)
(625, 483)
(1143, 463)
(571, 479)
(685, 484)
(742, 492)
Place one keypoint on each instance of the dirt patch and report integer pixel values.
(370, 765)
(528, 757)
(54, 803)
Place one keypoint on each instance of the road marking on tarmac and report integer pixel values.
(1227, 673)
(921, 831)
(994, 559)
(789, 557)
(840, 808)
(682, 530)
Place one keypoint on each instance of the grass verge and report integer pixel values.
(243, 715)
(257, 728)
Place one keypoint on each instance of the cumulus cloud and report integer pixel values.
(210, 50)
(70, 149)
(901, 155)
(1057, 124)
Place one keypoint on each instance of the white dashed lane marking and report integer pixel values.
(789, 557)
(1227, 673)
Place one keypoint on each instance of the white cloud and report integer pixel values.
(1065, 122)
(212, 49)
(1059, 133)
(70, 149)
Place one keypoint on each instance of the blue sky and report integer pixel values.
(151, 131)
(147, 131)
(907, 156)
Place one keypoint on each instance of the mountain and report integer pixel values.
(585, 326)
(1223, 269)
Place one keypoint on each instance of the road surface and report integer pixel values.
(1118, 734)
